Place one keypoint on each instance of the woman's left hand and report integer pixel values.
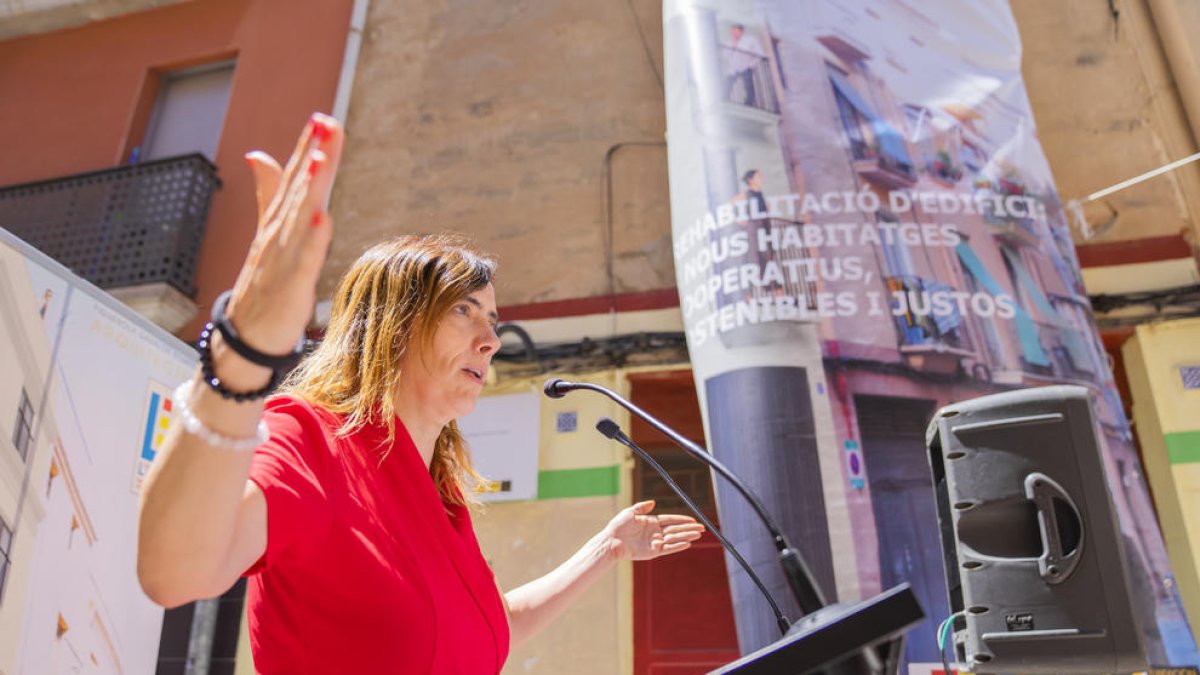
(635, 534)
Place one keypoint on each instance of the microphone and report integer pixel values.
(556, 388)
(804, 588)
(612, 430)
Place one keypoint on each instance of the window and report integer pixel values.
(6, 537)
(189, 112)
(23, 429)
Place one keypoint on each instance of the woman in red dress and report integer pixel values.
(344, 498)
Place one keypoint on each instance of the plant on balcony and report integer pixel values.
(1010, 187)
(944, 168)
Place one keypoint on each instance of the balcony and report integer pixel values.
(1020, 231)
(802, 289)
(1068, 349)
(748, 80)
(928, 342)
(134, 230)
(889, 170)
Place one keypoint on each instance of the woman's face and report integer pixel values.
(447, 378)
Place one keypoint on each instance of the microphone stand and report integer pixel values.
(848, 635)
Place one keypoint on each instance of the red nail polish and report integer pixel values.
(317, 219)
(313, 165)
(321, 130)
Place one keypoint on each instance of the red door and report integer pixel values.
(682, 615)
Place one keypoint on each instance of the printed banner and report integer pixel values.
(866, 229)
(89, 384)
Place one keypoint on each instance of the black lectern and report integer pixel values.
(836, 634)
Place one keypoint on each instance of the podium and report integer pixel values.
(831, 640)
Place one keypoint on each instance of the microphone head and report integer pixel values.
(609, 428)
(551, 390)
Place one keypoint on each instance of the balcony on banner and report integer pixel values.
(1011, 228)
(878, 150)
(134, 231)
(776, 285)
(749, 84)
(931, 338)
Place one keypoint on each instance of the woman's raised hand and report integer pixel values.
(275, 291)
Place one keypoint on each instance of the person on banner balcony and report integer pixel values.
(742, 56)
(344, 497)
(757, 225)
(752, 194)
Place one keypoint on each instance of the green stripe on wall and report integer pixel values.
(591, 482)
(1183, 447)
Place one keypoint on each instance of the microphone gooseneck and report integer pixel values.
(611, 430)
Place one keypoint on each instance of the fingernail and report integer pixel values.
(317, 218)
(249, 157)
(320, 128)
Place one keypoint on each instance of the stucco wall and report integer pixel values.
(495, 119)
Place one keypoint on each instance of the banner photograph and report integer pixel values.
(865, 229)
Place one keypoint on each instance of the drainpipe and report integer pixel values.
(341, 100)
(358, 20)
(1177, 23)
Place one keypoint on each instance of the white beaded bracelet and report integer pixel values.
(195, 427)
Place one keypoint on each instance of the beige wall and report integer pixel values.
(1165, 418)
(1107, 109)
(495, 119)
(39, 16)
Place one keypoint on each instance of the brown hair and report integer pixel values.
(391, 300)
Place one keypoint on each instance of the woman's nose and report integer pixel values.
(489, 342)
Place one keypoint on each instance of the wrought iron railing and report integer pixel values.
(748, 79)
(124, 226)
(795, 268)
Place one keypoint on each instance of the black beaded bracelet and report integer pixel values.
(213, 382)
(279, 365)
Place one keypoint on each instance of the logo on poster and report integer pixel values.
(157, 412)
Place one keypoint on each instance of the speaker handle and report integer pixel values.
(1054, 565)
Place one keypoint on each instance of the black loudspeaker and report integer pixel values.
(1034, 555)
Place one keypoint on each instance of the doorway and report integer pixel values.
(902, 499)
(682, 613)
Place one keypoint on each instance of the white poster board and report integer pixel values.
(502, 434)
(98, 380)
